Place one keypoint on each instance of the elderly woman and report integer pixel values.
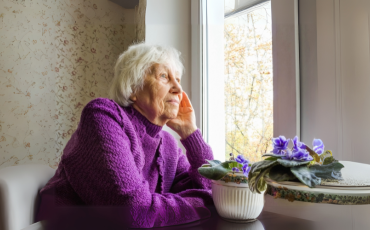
(120, 156)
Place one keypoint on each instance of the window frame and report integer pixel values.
(208, 22)
(208, 96)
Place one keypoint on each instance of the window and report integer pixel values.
(225, 65)
(248, 80)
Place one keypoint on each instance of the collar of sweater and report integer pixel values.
(141, 122)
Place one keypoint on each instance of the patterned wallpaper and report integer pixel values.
(55, 56)
(140, 20)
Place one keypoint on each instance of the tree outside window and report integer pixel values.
(249, 83)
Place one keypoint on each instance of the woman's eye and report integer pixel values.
(164, 76)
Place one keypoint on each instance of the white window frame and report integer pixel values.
(207, 71)
(207, 20)
(286, 72)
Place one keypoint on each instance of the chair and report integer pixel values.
(19, 187)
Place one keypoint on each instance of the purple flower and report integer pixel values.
(280, 145)
(235, 169)
(288, 155)
(240, 159)
(298, 154)
(302, 155)
(318, 146)
(297, 144)
(246, 169)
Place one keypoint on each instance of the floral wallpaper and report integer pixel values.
(140, 20)
(55, 56)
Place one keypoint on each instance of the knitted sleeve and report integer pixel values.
(187, 175)
(102, 171)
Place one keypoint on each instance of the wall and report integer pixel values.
(336, 83)
(167, 22)
(55, 56)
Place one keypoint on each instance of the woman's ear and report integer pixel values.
(133, 97)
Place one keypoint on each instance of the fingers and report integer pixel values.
(182, 102)
(186, 100)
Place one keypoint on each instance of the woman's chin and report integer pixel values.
(172, 114)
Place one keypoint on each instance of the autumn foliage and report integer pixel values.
(248, 84)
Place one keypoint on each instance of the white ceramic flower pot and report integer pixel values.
(235, 202)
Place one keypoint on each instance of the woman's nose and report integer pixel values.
(176, 87)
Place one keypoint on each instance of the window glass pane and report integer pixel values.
(248, 83)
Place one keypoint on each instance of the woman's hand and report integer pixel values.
(184, 124)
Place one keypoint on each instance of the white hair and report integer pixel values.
(133, 65)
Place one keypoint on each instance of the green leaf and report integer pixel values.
(252, 179)
(260, 165)
(281, 173)
(328, 160)
(272, 155)
(289, 164)
(311, 176)
(256, 181)
(327, 171)
(313, 154)
(232, 164)
(260, 184)
(214, 162)
(306, 176)
(326, 154)
(214, 173)
(271, 159)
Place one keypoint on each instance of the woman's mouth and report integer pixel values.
(175, 102)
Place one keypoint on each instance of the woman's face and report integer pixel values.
(160, 98)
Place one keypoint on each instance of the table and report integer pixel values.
(266, 221)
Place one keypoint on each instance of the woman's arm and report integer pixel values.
(101, 169)
(187, 175)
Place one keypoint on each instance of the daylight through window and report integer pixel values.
(248, 81)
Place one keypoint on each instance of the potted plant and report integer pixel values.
(300, 163)
(238, 185)
(232, 197)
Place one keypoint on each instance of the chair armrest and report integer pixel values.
(19, 187)
(36, 226)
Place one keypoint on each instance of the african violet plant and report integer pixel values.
(300, 163)
(216, 169)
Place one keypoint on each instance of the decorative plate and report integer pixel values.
(353, 190)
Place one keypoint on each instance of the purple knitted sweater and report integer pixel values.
(117, 157)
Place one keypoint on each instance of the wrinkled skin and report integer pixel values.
(162, 101)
